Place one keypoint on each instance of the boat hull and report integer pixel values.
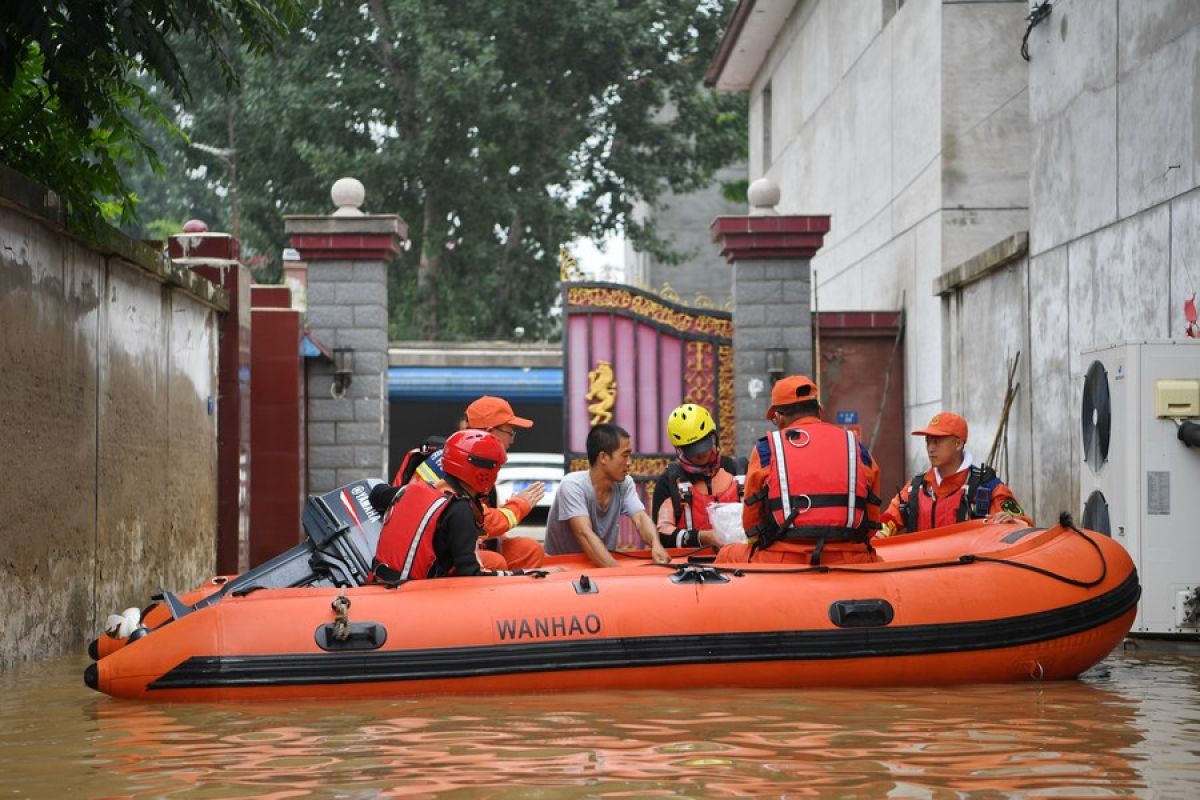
(973, 603)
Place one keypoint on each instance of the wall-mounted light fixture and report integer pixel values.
(343, 370)
(776, 363)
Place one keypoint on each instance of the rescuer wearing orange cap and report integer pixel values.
(954, 489)
(812, 489)
(496, 416)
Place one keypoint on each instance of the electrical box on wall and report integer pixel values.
(1139, 483)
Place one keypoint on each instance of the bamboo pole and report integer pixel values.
(1010, 394)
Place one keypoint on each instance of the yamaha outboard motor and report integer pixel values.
(342, 530)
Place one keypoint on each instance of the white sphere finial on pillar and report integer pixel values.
(347, 195)
(763, 195)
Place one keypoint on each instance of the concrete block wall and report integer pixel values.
(347, 307)
(683, 219)
(348, 253)
(107, 429)
(771, 309)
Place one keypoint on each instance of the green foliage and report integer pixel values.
(499, 130)
(735, 191)
(71, 108)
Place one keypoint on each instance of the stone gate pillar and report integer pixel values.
(772, 281)
(348, 253)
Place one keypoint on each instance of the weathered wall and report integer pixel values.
(107, 445)
(1114, 237)
(988, 323)
(911, 130)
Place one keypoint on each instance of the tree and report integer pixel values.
(500, 129)
(71, 107)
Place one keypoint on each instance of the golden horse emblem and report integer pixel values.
(602, 391)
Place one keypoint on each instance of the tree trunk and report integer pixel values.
(503, 328)
(232, 103)
(427, 272)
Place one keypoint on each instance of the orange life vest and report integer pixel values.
(972, 500)
(405, 550)
(817, 488)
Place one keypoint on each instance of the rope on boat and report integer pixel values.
(341, 623)
(1064, 520)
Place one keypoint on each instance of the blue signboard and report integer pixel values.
(847, 418)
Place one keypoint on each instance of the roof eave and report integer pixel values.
(752, 30)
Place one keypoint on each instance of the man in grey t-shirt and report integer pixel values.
(585, 516)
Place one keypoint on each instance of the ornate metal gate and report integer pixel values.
(630, 356)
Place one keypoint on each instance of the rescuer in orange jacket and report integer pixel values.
(430, 532)
(812, 489)
(494, 415)
(954, 489)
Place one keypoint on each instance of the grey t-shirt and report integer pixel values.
(576, 497)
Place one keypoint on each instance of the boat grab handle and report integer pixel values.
(861, 613)
(691, 573)
(362, 636)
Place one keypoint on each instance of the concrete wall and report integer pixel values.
(910, 129)
(988, 323)
(684, 220)
(107, 442)
(348, 253)
(1114, 225)
(771, 309)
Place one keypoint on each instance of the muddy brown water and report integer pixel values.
(1128, 728)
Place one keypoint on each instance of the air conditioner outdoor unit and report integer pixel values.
(1139, 483)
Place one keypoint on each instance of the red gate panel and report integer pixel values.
(630, 357)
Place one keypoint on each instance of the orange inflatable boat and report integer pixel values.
(969, 603)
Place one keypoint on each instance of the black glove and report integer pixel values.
(383, 495)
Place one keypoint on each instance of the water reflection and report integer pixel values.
(1131, 728)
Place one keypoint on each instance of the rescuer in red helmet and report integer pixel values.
(431, 531)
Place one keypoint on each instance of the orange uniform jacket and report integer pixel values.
(753, 514)
(948, 495)
(499, 521)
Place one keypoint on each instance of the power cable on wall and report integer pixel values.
(1039, 13)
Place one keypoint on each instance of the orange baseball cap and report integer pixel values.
(488, 412)
(792, 389)
(944, 423)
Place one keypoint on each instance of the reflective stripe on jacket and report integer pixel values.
(817, 486)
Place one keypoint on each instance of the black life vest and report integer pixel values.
(975, 499)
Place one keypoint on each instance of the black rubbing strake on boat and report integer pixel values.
(648, 651)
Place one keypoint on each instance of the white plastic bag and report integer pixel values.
(727, 522)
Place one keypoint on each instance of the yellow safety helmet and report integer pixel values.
(689, 424)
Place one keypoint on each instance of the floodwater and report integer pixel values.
(1128, 728)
